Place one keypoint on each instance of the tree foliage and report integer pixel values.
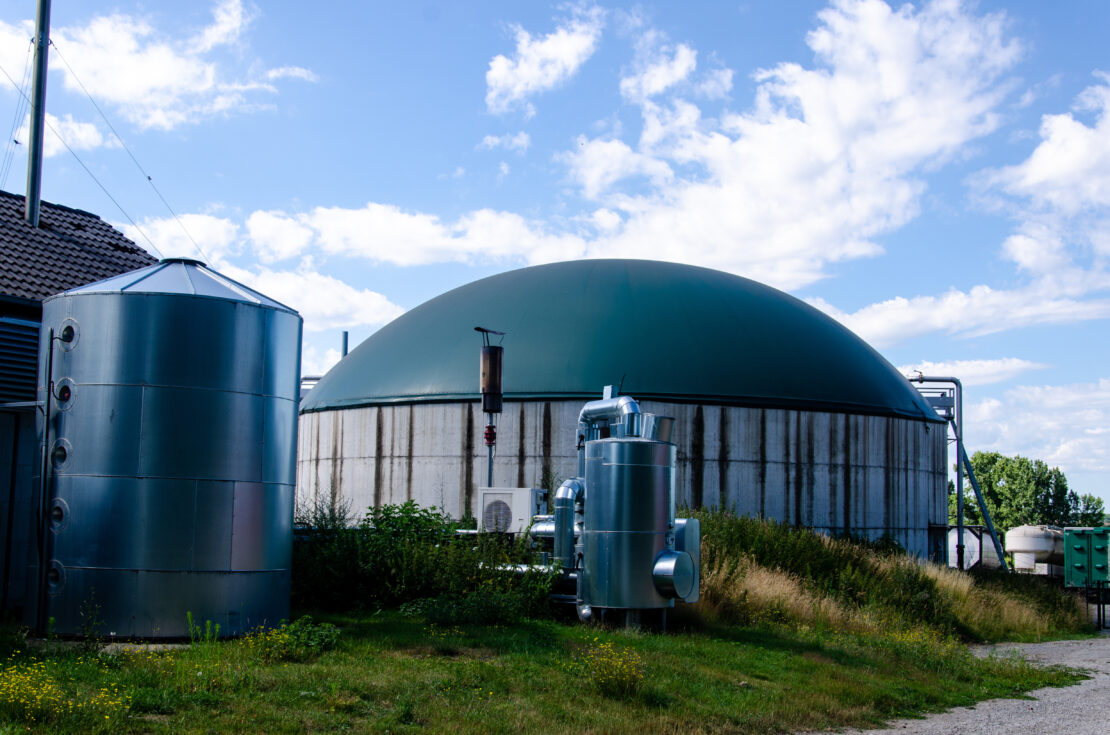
(1020, 491)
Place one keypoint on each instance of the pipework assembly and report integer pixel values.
(615, 530)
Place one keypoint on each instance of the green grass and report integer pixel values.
(394, 673)
(795, 631)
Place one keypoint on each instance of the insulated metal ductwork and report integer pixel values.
(606, 412)
(628, 552)
(566, 505)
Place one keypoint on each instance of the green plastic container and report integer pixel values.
(1086, 556)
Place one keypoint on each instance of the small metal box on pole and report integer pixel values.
(490, 385)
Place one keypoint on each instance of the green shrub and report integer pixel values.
(616, 672)
(13, 637)
(404, 553)
(325, 571)
(300, 640)
(504, 597)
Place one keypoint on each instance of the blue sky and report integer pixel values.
(936, 176)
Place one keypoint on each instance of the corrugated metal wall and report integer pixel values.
(832, 472)
(19, 350)
(18, 446)
(18, 450)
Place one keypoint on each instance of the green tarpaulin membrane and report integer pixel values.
(664, 331)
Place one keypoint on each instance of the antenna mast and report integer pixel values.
(38, 114)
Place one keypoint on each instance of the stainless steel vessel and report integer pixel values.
(171, 398)
(614, 529)
(628, 521)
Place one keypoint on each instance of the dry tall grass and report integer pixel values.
(796, 578)
(995, 614)
(746, 592)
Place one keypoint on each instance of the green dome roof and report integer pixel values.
(671, 332)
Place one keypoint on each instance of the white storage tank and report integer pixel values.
(978, 548)
(1035, 548)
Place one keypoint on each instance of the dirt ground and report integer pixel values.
(1083, 709)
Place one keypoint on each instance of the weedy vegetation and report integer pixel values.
(795, 631)
(759, 572)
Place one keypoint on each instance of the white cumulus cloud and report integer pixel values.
(539, 64)
(291, 72)
(597, 164)
(325, 302)
(1058, 195)
(277, 236)
(1063, 425)
(1070, 168)
(158, 80)
(16, 51)
(518, 142)
(203, 236)
(229, 19)
(384, 233)
(659, 66)
(824, 160)
(58, 132)
(317, 362)
(977, 311)
(716, 84)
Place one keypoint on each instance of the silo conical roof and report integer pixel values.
(181, 276)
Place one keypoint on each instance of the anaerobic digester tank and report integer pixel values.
(170, 451)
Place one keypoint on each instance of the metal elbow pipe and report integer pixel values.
(566, 498)
(542, 529)
(607, 409)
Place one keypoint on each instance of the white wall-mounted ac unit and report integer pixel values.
(508, 509)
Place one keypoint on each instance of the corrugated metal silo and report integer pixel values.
(171, 440)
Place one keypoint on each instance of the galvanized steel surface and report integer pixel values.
(566, 502)
(175, 494)
(627, 521)
(687, 537)
(673, 574)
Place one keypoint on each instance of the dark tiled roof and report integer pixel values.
(69, 248)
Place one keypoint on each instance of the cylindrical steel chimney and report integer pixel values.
(490, 381)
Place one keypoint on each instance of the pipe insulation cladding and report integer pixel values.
(628, 521)
(171, 440)
(615, 527)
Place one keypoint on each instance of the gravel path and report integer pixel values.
(1077, 710)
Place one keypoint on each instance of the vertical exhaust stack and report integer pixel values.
(489, 380)
(38, 114)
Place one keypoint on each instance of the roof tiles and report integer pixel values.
(70, 248)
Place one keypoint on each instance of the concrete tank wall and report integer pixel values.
(832, 472)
